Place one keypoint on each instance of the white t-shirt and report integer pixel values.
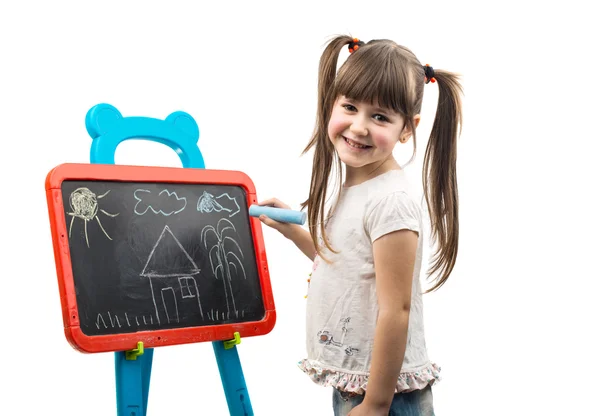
(342, 304)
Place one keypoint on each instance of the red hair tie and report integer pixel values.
(429, 74)
(354, 45)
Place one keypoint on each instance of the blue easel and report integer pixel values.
(108, 128)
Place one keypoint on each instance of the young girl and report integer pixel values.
(365, 335)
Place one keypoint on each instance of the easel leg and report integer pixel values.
(146, 371)
(133, 382)
(233, 380)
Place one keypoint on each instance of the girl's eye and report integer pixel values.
(379, 117)
(349, 107)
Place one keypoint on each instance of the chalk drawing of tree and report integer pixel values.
(223, 255)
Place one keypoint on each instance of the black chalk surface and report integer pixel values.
(150, 256)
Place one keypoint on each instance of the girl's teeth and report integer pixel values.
(351, 143)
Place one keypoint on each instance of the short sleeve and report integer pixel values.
(396, 211)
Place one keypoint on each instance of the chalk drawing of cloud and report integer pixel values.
(165, 202)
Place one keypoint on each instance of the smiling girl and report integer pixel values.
(364, 324)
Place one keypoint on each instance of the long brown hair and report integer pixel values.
(390, 75)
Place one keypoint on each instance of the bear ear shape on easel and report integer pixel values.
(100, 119)
(186, 123)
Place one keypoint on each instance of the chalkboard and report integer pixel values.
(158, 256)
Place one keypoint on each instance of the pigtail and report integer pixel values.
(439, 175)
(324, 154)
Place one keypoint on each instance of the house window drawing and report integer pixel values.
(171, 272)
(188, 287)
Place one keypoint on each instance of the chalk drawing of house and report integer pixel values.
(172, 272)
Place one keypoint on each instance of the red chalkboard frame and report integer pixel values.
(164, 337)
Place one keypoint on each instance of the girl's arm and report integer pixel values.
(394, 256)
(293, 232)
(302, 239)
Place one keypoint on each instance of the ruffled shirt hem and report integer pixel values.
(357, 383)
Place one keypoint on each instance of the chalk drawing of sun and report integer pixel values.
(84, 204)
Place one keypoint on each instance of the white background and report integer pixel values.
(515, 329)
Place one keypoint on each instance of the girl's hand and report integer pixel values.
(293, 232)
(364, 409)
(284, 228)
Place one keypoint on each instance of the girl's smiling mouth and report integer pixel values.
(355, 145)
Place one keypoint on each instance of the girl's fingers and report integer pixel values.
(273, 202)
(268, 221)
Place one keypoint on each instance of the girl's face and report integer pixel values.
(364, 136)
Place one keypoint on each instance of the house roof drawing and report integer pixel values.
(168, 258)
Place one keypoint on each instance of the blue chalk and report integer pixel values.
(279, 214)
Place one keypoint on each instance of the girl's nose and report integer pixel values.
(359, 127)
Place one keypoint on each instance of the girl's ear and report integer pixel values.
(417, 119)
(406, 132)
